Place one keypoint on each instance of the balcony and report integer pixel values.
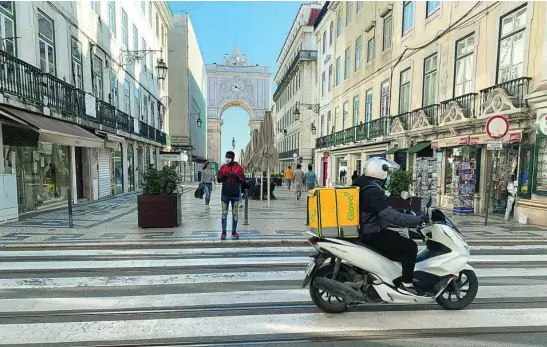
(106, 114)
(365, 131)
(30, 85)
(423, 118)
(457, 110)
(288, 154)
(505, 98)
(400, 123)
(301, 56)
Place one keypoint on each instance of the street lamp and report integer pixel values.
(296, 113)
(199, 122)
(233, 143)
(161, 69)
(128, 57)
(313, 128)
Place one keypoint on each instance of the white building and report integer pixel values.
(97, 117)
(295, 78)
(188, 120)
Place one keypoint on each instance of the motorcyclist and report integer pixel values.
(376, 215)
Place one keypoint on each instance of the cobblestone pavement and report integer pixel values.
(115, 221)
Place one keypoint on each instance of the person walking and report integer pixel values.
(231, 176)
(207, 178)
(310, 178)
(298, 179)
(354, 176)
(288, 176)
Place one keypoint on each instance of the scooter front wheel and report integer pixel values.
(468, 286)
(326, 302)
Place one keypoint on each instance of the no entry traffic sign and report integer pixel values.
(497, 127)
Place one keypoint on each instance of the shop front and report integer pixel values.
(425, 172)
(131, 166)
(460, 165)
(117, 166)
(43, 153)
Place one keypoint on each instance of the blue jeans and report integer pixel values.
(226, 201)
(208, 190)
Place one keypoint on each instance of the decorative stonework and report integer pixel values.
(396, 126)
(499, 102)
(454, 114)
(420, 120)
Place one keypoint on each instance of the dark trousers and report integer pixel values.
(397, 248)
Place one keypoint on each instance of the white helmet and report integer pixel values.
(378, 168)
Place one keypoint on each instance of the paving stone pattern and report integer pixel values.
(115, 220)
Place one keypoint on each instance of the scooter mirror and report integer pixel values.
(429, 201)
(405, 195)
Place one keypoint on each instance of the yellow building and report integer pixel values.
(417, 82)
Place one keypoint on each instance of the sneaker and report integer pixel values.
(223, 235)
(207, 207)
(235, 235)
(410, 290)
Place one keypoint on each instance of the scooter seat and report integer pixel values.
(360, 243)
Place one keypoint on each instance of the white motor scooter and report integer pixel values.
(346, 272)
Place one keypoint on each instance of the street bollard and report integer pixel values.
(70, 221)
(246, 218)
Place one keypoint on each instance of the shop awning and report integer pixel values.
(393, 150)
(418, 147)
(52, 130)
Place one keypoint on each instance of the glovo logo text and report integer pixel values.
(313, 214)
(351, 206)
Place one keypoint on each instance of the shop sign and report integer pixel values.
(541, 123)
(483, 139)
(450, 142)
(173, 156)
(494, 145)
(497, 127)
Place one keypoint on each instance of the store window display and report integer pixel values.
(461, 177)
(118, 169)
(131, 167)
(526, 169)
(503, 178)
(43, 174)
(540, 184)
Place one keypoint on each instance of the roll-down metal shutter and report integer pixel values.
(105, 184)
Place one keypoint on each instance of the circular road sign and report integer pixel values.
(497, 127)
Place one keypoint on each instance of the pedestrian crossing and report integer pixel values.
(236, 296)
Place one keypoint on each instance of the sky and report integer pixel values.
(258, 28)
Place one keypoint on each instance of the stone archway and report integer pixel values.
(234, 83)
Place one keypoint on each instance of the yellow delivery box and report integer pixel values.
(334, 212)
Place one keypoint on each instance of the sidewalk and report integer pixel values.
(113, 222)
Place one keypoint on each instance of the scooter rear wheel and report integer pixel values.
(468, 284)
(326, 302)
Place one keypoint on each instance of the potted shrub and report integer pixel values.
(401, 181)
(159, 206)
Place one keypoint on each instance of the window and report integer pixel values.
(125, 30)
(138, 103)
(145, 108)
(96, 7)
(348, 12)
(76, 55)
(330, 77)
(360, 6)
(150, 14)
(348, 61)
(135, 38)
(388, 29)
(430, 80)
(355, 110)
(404, 91)
(157, 26)
(328, 130)
(368, 105)
(143, 61)
(46, 43)
(345, 115)
(336, 118)
(463, 79)
(338, 70)
(323, 82)
(324, 42)
(331, 33)
(151, 63)
(511, 46)
(370, 49)
(431, 7)
(127, 97)
(322, 125)
(358, 52)
(384, 99)
(7, 28)
(114, 89)
(112, 16)
(97, 77)
(408, 16)
(339, 24)
(143, 8)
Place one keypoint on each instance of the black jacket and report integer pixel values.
(375, 213)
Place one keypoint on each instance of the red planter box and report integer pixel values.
(159, 211)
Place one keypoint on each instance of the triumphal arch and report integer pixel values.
(235, 83)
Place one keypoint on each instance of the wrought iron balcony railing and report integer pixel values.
(423, 117)
(304, 55)
(123, 122)
(106, 114)
(516, 90)
(460, 107)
